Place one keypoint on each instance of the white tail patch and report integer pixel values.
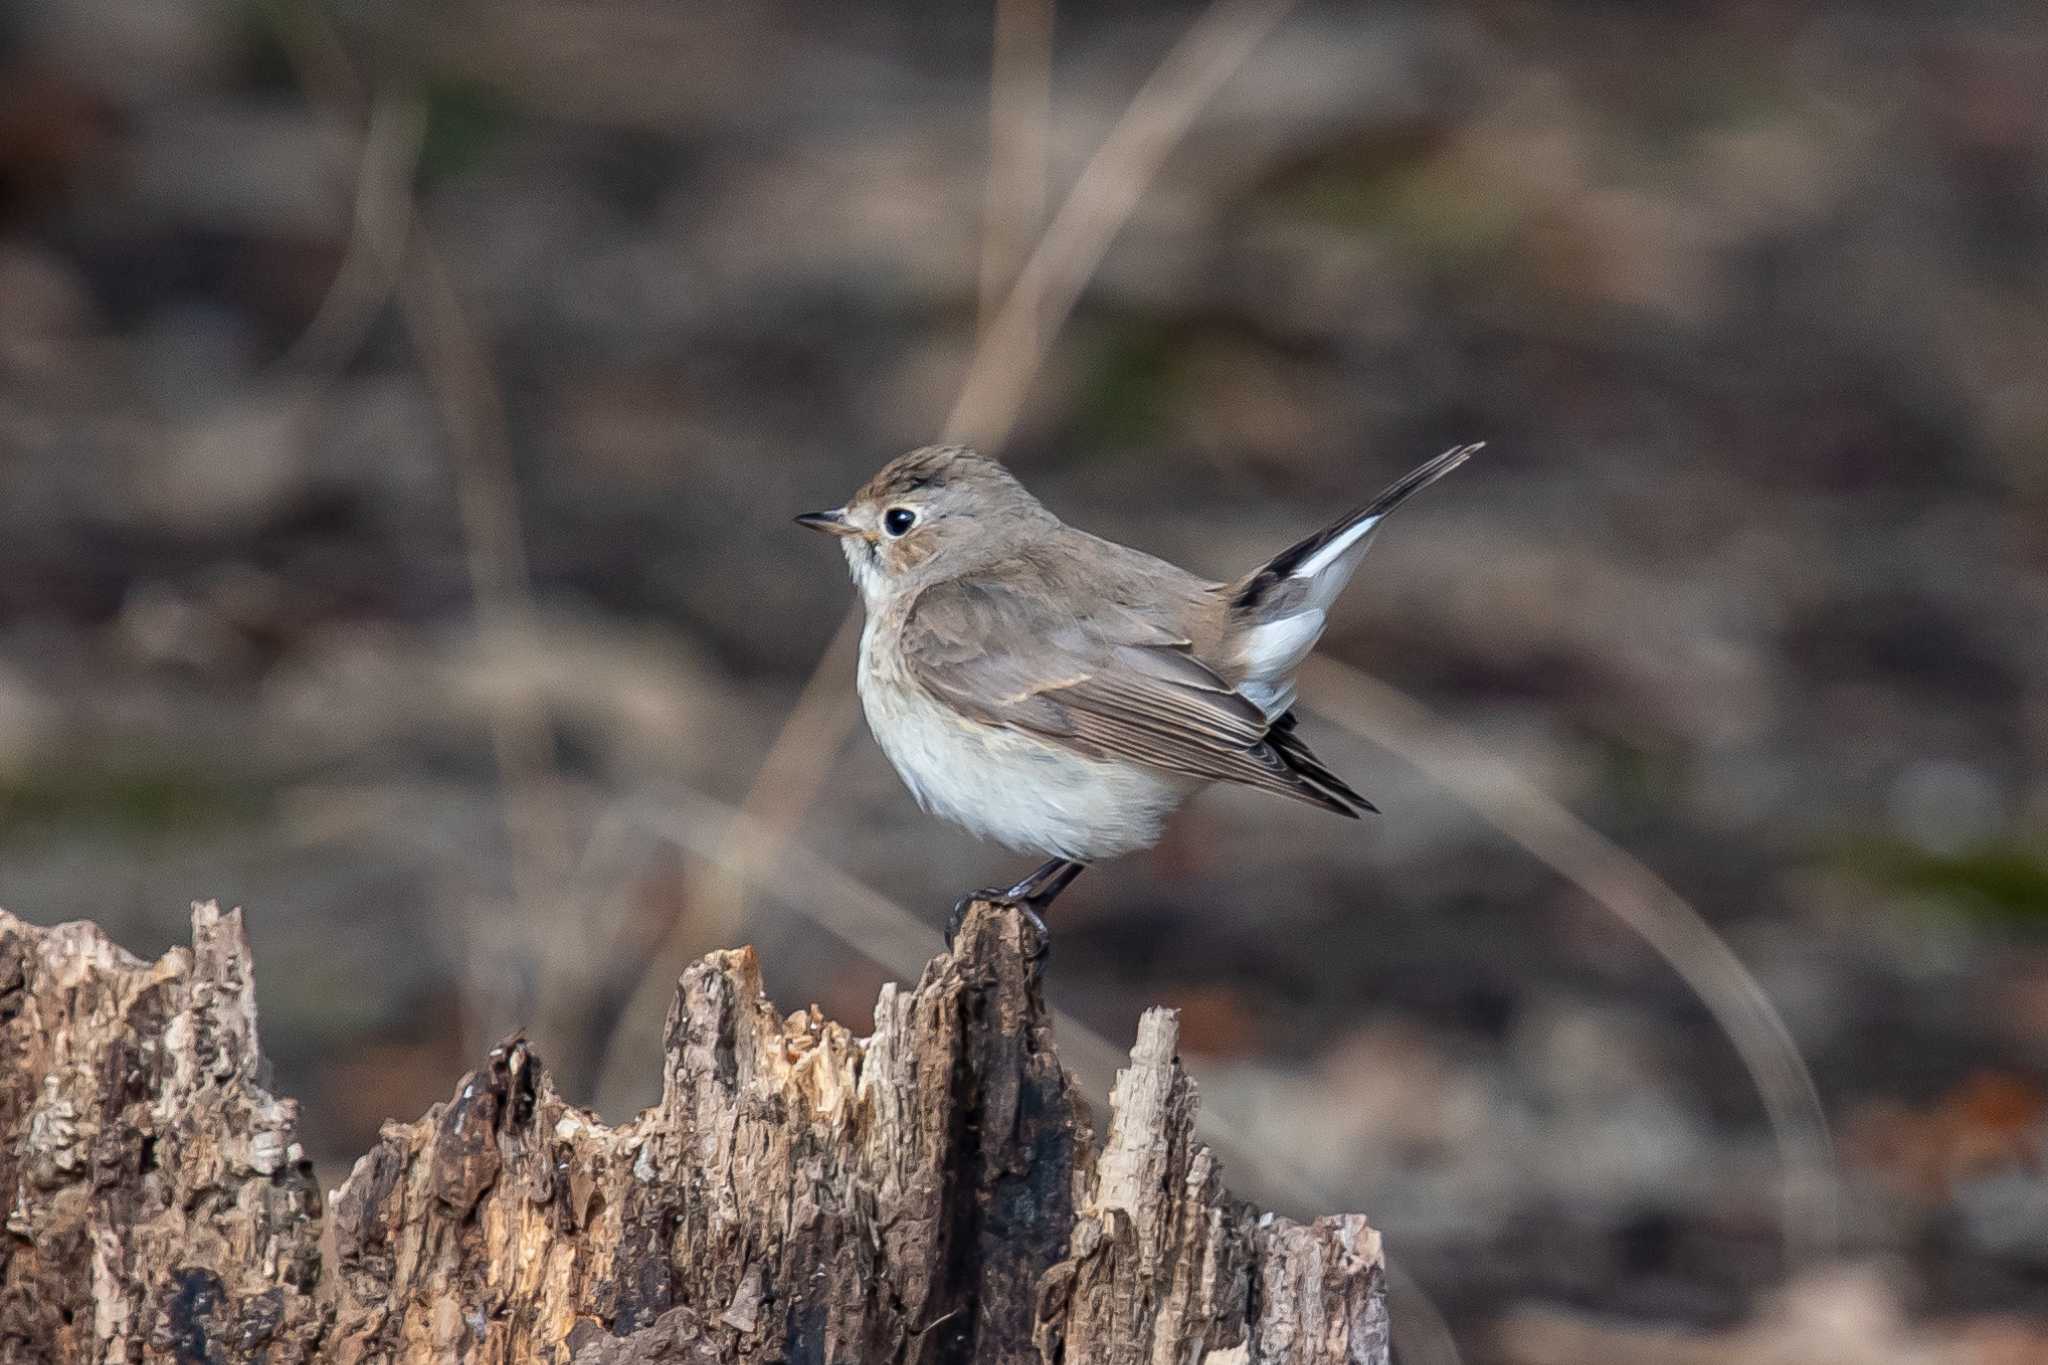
(1277, 646)
(1270, 652)
(1338, 547)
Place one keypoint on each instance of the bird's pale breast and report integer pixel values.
(1001, 783)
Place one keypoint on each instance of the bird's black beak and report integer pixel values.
(832, 523)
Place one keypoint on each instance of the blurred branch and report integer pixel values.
(1019, 134)
(375, 255)
(788, 782)
(1420, 1333)
(1371, 710)
(472, 410)
(319, 61)
(1101, 202)
(486, 492)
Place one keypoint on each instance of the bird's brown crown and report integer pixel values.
(931, 467)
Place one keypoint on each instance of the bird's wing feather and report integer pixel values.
(1103, 679)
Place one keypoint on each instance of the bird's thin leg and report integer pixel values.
(1031, 895)
(1043, 887)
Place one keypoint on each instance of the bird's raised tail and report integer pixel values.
(1277, 611)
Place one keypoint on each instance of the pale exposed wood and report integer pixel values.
(929, 1194)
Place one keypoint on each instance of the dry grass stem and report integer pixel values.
(1373, 711)
(380, 223)
(788, 782)
(537, 829)
(393, 247)
(1020, 134)
(1420, 1333)
(1101, 202)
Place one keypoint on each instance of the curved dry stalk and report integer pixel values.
(783, 789)
(1396, 722)
(465, 388)
(1101, 202)
(389, 126)
(1420, 1332)
(397, 250)
(393, 134)
(1019, 138)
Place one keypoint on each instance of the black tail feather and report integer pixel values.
(1302, 762)
(1255, 585)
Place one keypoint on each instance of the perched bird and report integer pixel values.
(1062, 693)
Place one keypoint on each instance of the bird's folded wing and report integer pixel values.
(1104, 680)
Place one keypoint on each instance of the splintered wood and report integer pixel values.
(159, 1205)
(931, 1194)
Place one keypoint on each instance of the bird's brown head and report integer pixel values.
(927, 515)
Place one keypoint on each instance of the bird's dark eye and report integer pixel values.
(897, 520)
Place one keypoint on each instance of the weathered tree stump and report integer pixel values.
(158, 1203)
(930, 1194)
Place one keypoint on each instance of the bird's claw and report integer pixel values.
(1005, 898)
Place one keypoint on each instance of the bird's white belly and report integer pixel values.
(1006, 785)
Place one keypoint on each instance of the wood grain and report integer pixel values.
(931, 1194)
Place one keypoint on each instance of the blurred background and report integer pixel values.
(402, 409)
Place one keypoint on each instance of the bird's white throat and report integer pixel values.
(867, 572)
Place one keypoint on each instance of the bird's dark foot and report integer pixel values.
(1005, 897)
(958, 915)
(1030, 896)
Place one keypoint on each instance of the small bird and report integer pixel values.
(1064, 694)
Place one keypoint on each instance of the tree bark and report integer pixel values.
(158, 1204)
(931, 1194)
